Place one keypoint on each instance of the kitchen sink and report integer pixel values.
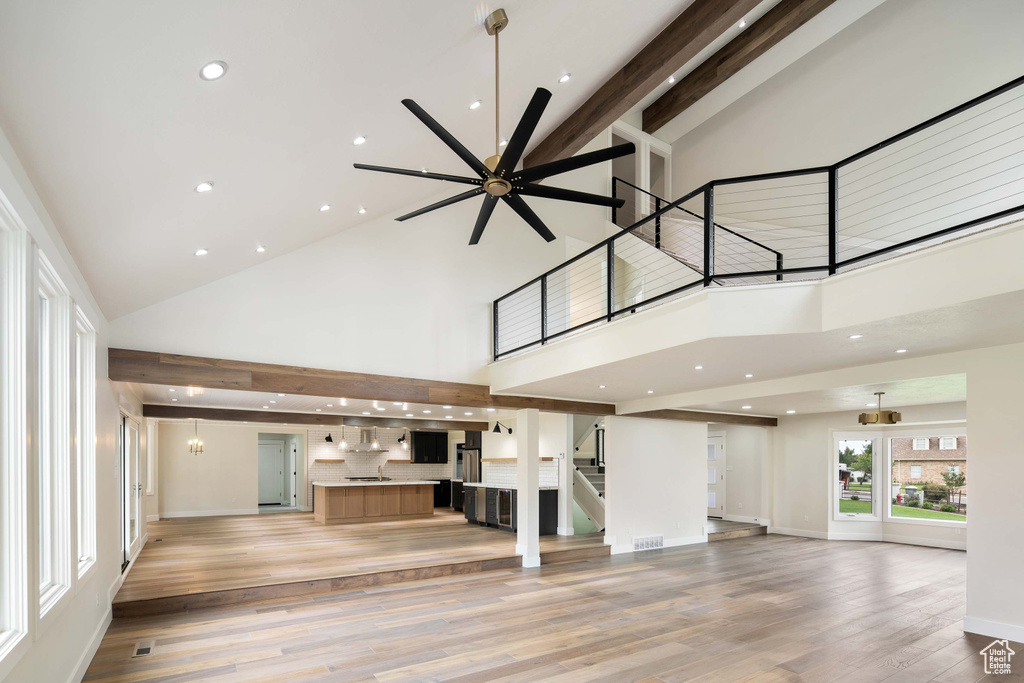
(368, 478)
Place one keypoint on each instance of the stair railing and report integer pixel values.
(962, 170)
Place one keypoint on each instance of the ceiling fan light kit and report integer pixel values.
(498, 178)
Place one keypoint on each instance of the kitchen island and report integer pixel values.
(349, 502)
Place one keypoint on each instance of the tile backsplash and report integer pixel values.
(505, 473)
(396, 461)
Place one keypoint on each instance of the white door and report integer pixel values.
(271, 474)
(716, 476)
(131, 490)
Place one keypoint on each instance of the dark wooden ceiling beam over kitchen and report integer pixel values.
(694, 29)
(701, 416)
(147, 367)
(305, 419)
(756, 39)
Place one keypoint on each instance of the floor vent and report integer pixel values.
(143, 648)
(648, 542)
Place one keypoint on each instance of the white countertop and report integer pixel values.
(504, 486)
(395, 482)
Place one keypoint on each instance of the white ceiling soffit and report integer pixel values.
(103, 103)
(231, 399)
(819, 29)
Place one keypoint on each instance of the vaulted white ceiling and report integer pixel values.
(103, 104)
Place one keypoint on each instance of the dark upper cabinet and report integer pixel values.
(430, 447)
(473, 440)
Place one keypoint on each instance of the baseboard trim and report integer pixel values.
(669, 543)
(90, 651)
(563, 531)
(855, 536)
(927, 542)
(748, 520)
(531, 561)
(152, 518)
(806, 533)
(211, 513)
(994, 629)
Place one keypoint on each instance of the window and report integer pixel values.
(928, 487)
(854, 466)
(52, 453)
(920, 444)
(915, 471)
(947, 443)
(85, 440)
(953, 469)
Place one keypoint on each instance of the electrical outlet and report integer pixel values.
(739, 505)
(806, 518)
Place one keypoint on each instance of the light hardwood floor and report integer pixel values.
(764, 608)
(209, 559)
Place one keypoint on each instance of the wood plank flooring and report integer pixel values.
(204, 561)
(765, 608)
(724, 530)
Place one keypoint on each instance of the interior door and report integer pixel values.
(131, 490)
(271, 474)
(716, 476)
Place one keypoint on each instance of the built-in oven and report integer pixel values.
(505, 508)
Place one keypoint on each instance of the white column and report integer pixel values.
(565, 482)
(528, 493)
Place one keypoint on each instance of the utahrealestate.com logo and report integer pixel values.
(997, 657)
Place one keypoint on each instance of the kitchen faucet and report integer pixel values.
(380, 472)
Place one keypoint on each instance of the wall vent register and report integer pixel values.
(648, 542)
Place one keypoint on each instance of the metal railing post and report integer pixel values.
(615, 211)
(778, 267)
(544, 309)
(709, 235)
(657, 223)
(494, 327)
(610, 301)
(833, 219)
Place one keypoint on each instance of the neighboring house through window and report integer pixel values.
(947, 443)
(921, 444)
(915, 471)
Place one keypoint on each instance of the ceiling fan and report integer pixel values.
(496, 176)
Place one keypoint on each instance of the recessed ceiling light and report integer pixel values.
(362, 209)
(448, 417)
(174, 399)
(325, 207)
(330, 405)
(266, 407)
(408, 414)
(396, 403)
(601, 387)
(747, 407)
(342, 402)
(671, 79)
(475, 104)
(172, 390)
(426, 412)
(743, 22)
(650, 391)
(273, 401)
(870, 405)
(318, 410)
(380, 407)
(204, 186)
(201, 252)
(280, 394)
(698, 367)
(901, 350)
(366, 412)
(856, 336)
(359, 140)
(469, 413)
(213, 71)
(490, 410)
(748, 375)
(503, 142)
(565, 78)
(790, 412)
(424, 170)
(260, 249)
(446, 407)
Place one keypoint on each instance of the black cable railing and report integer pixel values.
(959, 171)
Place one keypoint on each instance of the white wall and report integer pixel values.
(410, 299)
(802, 476)
(995, 554)
(655, 481)
(899, 65)
(747, 475)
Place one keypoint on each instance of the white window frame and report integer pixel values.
(917, 439)
(919, 471)
(944, 440)
(16, 294)
(891, 461)
(85, 445)
(53, 444)
(876, 485)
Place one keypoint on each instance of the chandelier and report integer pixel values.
(195, 446)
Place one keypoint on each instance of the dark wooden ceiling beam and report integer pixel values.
(692, 31)
(147, 367)
(758, 38)
(701, 416)
(305, 419)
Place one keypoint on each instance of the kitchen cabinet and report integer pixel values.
(341, 504)
(457, 495)
(430, 447)
(469, 502)
(443, 493)
(489, 498)
(492, 506)
(474, 440)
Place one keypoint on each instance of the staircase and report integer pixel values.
(592, 473)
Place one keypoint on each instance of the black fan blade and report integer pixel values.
(447, 138)
(419, 174)
(490, 201)
(524, 131)
(527, 214)
(441, 204)
(572, 163)
(532, 190)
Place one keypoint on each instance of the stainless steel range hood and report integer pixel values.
(365, 444)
